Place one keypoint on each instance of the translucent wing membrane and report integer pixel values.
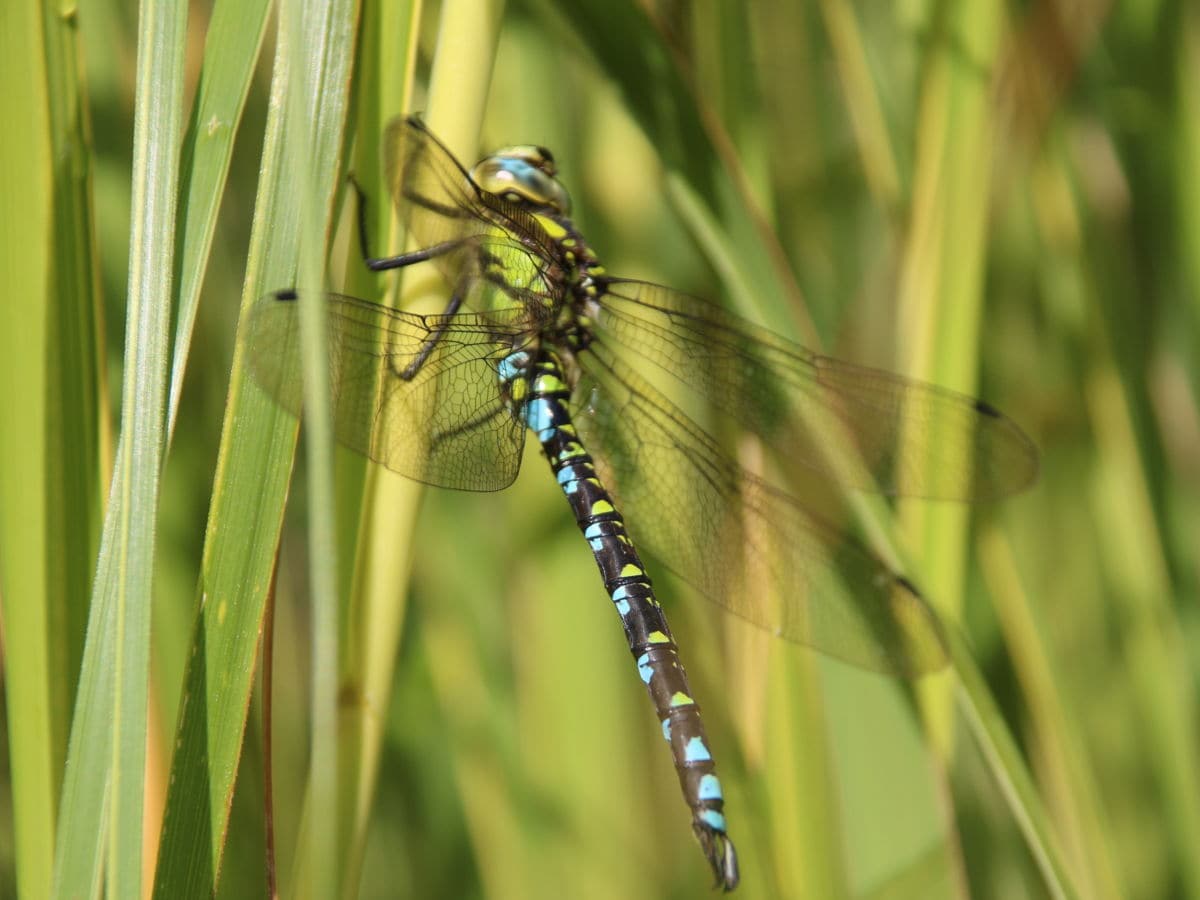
(440, 205)
(415, 393)
(746, 545)
(913, 439)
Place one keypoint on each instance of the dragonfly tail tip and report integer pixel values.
(722, 856)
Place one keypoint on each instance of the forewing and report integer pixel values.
(912, 438)
(418, 394)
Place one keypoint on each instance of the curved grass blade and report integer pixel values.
(231, 49)
(102, 817)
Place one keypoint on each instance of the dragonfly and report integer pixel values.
(611, 375)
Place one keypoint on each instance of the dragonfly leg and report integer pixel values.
(449, 434)
(383, 263)
(409, 372)
(646, 630)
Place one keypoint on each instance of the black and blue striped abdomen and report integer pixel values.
(540, 394)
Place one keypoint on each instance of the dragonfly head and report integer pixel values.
(523, 175)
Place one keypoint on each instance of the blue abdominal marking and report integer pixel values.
(644, 668)
(539, 417)
(710, 788)
(696, 751)
(512, 367)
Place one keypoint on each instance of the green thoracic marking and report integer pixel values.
(553, 228)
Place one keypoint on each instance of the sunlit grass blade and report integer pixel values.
(1136, 562)
(1008, 768)
(467, 31)
(53, 441)
(376, 512)
(940, 322)
(231, 49)
(249, 493)
(317, 40)
(941, 283)
(102, 813)
(863, 103)
(1070, 782)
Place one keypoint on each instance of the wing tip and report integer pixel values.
(984, 408)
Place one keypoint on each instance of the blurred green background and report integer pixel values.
(1001, 199)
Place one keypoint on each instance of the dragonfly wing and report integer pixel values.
(418, 394)
(440, 204)
(912, 438)
(746, 545)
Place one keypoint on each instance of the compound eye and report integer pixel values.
(525, 176)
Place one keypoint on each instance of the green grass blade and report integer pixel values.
(1136, 561)
(941, 283)
(158, 121)
(83, 822)
(320, 39)
(24, 540)
(380, 541)
(53, 447)
(863, 103)
(1009, 770)
(231, 49)
(940, 311)
(232, 46)
(103, 793)
(718, 191)
(78, 412)
(459, 82)
(1068, 777)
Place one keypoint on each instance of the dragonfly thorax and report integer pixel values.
(525, 175)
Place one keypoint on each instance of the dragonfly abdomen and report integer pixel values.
(548, 415)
